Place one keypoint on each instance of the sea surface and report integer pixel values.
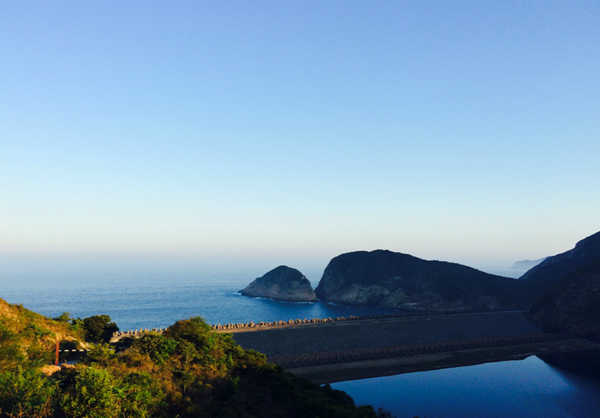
(146, 300)
(138, 300)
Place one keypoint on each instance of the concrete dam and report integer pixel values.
(336, 350)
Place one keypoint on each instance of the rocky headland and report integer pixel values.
(395, 280)
(525, 265)
(282, 283)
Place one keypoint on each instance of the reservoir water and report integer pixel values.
(527, 388)
(136, 300)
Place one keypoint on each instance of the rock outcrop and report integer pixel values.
(282, 283)
(395, 280)
(570, 287)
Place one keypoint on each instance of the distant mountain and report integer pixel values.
(395, 280)
(569, 285)
(526, 264)
(282, 283)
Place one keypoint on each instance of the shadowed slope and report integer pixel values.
(397, 280)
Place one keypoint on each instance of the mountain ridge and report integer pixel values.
(402, 281)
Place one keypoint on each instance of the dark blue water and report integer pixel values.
(134, 300)
(527, 388)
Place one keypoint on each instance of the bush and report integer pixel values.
(25, 393)
(95, 395)
(156, 346)
(143, 396)
(102, 354)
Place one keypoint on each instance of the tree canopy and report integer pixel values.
(98, 328)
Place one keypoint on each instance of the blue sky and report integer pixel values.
(288, 132)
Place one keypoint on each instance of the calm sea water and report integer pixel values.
(135, 300)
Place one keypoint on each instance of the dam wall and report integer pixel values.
(345, 336)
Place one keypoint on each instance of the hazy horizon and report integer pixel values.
(238, 136)
(201, 268)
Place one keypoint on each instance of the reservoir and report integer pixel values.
(528, 388)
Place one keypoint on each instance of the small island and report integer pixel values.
(282, 283)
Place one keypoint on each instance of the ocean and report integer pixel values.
(146, 300)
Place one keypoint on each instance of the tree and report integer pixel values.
(194, 330)
(99, 329)
(64, 317)
(187, 351)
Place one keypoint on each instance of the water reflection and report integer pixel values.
(528, 388)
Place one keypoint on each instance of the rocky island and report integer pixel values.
(282, 283)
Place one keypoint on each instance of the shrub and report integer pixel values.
(95, 395)
(25, 393)
(156, 346)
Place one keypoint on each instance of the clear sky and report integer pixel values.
(288, 132)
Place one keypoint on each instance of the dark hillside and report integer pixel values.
(553, 270)
(565, 289)
(399, 280)
(572, 306)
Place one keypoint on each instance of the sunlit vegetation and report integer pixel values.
(27, 339)
(188, 371)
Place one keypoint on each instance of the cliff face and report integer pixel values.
(282, 283)
(397, 280)
(569, 284)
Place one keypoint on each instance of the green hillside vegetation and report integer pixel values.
(28, 339)
(189, 371)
